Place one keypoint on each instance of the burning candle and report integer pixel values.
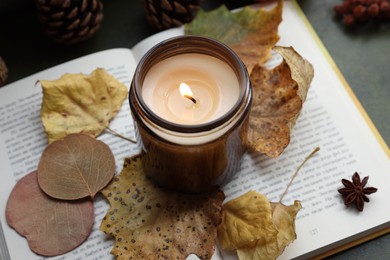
(211, 84)
(190, 99)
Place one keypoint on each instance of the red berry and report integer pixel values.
(359, 11)
(350, 5)
(348, 20)
(385, 6)
(373, 10)
(340, 9)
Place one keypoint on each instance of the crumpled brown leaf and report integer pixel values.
(250, 33)
(78, 103)
(278, 96)
(52, 227)
(283, 218)
(75, 167)
(245, 221)
(150, 223)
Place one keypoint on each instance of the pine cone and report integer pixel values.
(164, 14)
(3, 72)
(70, 21)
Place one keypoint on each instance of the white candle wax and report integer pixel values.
(213, 83)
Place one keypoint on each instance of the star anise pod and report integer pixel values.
(355, 191)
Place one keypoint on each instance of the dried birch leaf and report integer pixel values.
(78, 103)
(150, 223)
(278, 95)
(250, 33)
(246, 220)
(52, 227)
(283, 218)
(75, 167)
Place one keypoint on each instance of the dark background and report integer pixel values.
(361, 53)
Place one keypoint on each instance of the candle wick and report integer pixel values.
(190, 98)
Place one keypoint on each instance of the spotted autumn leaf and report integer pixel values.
(78, 103)
(278, 96)
(251, 33)
(52, 227)
(283, 219)
(150, 223)
(75, 167)
(246, 220)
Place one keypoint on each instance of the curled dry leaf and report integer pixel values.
(283, 219)
(246, 221)
(52, 227)
(150, 223)
(250, 33)
(278, 96)
(78, 103)
(75, 167)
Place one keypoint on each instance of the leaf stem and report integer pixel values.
(119, 135)
(296, 172)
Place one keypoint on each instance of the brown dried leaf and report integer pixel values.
(263, 35)
(52, 227)
(278, 95)
(150, 223)
(250, 33)
(75, 167)
(302, 72)
(283, 218)
(246, 221)
(78, 103)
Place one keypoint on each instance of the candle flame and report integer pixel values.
(186, 92)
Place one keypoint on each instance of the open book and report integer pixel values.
(331, 118)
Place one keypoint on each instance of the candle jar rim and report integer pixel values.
(186, 44)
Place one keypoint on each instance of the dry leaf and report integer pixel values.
(150, 223)
(278, 95)
(52, 227)
(78, 103)
(250, 33)
(246, 220)
(302, 72)
(283, 218)
(75, 167)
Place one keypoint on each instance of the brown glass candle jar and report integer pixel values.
(201, 154)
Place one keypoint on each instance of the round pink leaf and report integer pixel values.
(52, 227)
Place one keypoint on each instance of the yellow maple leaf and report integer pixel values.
(78, 103)
(151, 223)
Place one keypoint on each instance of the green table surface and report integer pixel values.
(361, 53)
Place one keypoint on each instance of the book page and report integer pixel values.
(330, 120)
(22, 140)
